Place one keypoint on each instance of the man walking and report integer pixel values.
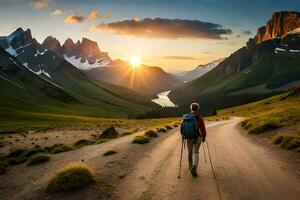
(193, 130)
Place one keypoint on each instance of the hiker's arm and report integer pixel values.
(202, 128)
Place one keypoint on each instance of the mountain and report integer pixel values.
(91, 97)
(83, 55)
(255, 71)
(199, 71)
(280, 25)
(146, 80)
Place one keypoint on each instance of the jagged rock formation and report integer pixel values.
(280, 25)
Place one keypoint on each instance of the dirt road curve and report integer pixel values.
(244, 170)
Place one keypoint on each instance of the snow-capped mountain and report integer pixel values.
(83, 55)
(199, 71)
(29, 52)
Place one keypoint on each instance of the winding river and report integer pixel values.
(163, 99)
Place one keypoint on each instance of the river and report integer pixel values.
(163, 99)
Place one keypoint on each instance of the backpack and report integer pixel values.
(189, 127)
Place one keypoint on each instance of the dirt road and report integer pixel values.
(244, 170)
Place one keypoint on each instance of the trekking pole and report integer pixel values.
(180, 158)
(212, 167)
(204, 153)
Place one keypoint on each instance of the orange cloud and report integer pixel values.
(94, 15)
(166, 28)
(74, 19)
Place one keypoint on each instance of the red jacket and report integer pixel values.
(201, 126)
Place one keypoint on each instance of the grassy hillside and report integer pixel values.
(279, 114)
(255, 68)
(68, 93)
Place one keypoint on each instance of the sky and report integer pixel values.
(176, 35)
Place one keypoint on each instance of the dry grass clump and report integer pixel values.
(161, 129)
(140, 139)
(38, 158)
(151, 133)
(71, 177)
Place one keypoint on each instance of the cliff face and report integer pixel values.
(280, 24)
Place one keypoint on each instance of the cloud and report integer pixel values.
(94, 15)
(166, 28)
(107, 15)
(247, 32)
(179, 58)
(74, 19)
(56, 12)
(40, 4)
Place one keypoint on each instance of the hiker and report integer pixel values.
(193, 130)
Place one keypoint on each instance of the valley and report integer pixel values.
(82, 122)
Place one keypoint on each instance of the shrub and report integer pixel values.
(62, 148)
(161, 129)
(83, 142)
(3, 167)
(168, 127)
(151, 133)
(35, 150)
(17, 152)
(110, 152)
(71, 177)
(15, 161)
(264, 126)
(277, 139)
(289, 142)
(140, 140)
(38, 158)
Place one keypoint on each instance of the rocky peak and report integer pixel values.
(89, 47)
(53, 44)
(280, 24)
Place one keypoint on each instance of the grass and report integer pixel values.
(71, 177)
(38, 158)
(262, 126)
(110, 152)
(83, 142)
(151, 133)
(59, 148)
(3, 167)
(35, 150)
(161, 129)
(275, 113)
(2, 144)
(168, 127)
(140, 139)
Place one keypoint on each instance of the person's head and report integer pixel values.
(194, 107)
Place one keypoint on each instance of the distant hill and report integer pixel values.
(199, 71)
(57, 85)
(146, 80)
(262, 68)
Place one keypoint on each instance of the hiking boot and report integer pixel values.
(194, 171)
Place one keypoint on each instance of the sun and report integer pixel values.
(135, 61)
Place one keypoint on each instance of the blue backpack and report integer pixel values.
(189, 127)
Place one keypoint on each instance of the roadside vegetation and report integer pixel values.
(279, 114)
(110, 152)
(151, 133)
(71, 177)
(38, 158)
(140, 139)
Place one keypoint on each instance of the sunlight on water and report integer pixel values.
(163, 99)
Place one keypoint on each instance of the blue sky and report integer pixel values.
(236, 15)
